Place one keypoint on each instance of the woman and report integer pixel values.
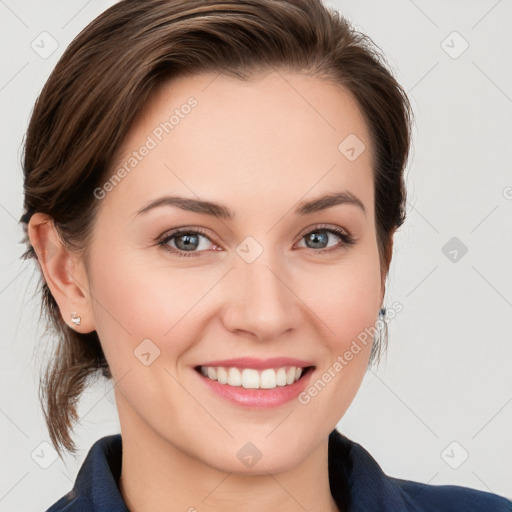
(211, 192)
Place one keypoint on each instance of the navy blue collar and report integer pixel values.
(357, 484)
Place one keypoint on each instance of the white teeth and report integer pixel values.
(234, 377)
(250, 379)
(253, 379)
(222, 375)
(281, 377)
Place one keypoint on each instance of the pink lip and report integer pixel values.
(259, 364)
(257, 398)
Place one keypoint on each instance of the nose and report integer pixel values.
(260, 300)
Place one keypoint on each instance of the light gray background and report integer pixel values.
(448, 373)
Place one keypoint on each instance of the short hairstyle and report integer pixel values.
(104, 79)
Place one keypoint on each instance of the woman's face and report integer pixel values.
(268, 282)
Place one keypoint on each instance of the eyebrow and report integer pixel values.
(223, 212)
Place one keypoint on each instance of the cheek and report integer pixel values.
(346, 300)
(136, 300)
(347, 296)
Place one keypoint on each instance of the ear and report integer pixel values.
(63, 271)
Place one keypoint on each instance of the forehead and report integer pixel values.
(281, 136)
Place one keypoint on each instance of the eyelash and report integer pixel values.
(346, 239)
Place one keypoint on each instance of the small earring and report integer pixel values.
(75, 319)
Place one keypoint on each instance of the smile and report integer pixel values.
(250, 378)
(255, 389)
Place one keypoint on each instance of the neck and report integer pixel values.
(158, 475)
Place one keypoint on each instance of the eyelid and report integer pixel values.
(185, 229)
(320, 227)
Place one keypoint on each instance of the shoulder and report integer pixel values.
(449, 498)
(67, 503)
(358, 483)
(96, 485)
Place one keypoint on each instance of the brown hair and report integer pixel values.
(102, 82)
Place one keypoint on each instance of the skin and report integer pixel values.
(259, 148)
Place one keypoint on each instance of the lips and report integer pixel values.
(247, 396)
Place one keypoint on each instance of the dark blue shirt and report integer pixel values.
(357, 483)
